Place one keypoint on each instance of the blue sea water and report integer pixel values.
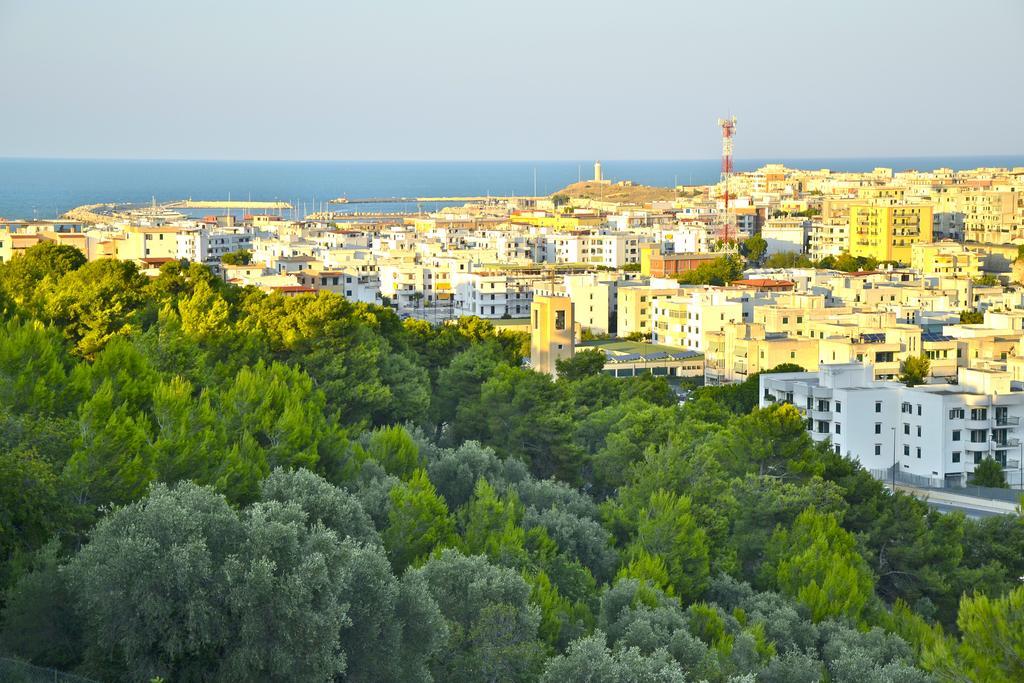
(44, 188)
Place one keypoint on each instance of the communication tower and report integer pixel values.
(728, 127)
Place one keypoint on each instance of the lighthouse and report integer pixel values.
(597, 172)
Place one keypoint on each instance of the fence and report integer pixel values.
(14, 671)
(1011, 494)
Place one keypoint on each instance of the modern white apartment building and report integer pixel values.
(936, 431)
(493, 293)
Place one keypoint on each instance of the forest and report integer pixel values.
(203, 482)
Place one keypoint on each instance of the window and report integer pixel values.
(906, 450)
(956, 414)
(839, 407)
(978, 435)
(979, 413)
(919, 431)
(559, 320)
(878, 406)
(956, 456)
(918, 452)
(977, 458)
(906, 408)
(878, 428)
(919, 409)
(906, 428)
(878, 449)
(956, 435)
(839, 429)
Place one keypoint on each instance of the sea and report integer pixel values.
(45, 188)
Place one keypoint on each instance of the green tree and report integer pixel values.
(21, 277)
(418, 522)
(242, 257)
(787, 259)
(992, 643)
(205, 313)
(492, 626)
(668, 529)
(33, 369)
(582, 364)
(94, 303)
(817, 562)
(754, 249)
(112, 460)
(179, 585)
(589, 660)
(40, 621)
(721, 271)
(914, 370)
(971, 317)
(989, 473)
(525, 417)
(31, 505)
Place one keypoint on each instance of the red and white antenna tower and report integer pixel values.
(728, 130)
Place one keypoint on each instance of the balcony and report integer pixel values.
(1006, 421)
(1004, 443)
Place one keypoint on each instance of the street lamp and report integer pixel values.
(893, 460)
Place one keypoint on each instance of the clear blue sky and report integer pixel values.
(509, 79)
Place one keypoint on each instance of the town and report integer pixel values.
(847, 276)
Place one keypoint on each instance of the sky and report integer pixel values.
(509, 79)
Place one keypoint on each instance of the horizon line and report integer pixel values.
(715, 159)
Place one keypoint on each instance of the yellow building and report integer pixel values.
(741, 349)
(887, 232)
(559, 221)
(944, 259)
(551, 332)
(635, 308)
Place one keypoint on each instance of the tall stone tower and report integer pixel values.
(597, 172)
(551, 332)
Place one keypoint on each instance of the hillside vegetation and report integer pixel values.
(200, 482)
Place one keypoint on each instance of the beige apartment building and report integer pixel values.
(551, 332)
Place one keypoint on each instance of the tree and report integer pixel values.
(914, 370)
(668, 529)
(581, 365)
(971, 317)
(492, 627)
(242, 257)
(179, 585)
(40, 622)
(94, 303)
(589, 660)
(418, 521)
(989, 473)
(525, 417)
(30, 505)
(754, 249)
(721, 271)
(986, 280)
(992, 645)
(49, 261)
(816, 562)
(787, 259)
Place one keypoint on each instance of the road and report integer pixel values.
(971, 506)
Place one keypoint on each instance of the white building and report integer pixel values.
(938, 432)
(786, 235)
